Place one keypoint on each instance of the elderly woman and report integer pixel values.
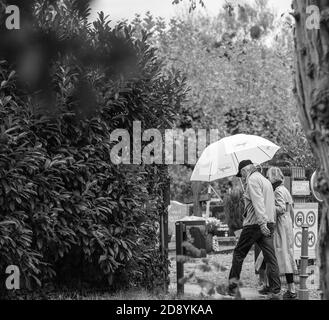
(283, 235)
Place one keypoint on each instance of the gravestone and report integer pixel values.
(176, 211)
(195, 233)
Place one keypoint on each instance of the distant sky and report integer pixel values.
(126, 9)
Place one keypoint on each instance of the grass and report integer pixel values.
(122, 295)
(135, 294)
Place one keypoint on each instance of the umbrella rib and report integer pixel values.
(263, 151)
(236, 167)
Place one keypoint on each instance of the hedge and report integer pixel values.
(68, 215)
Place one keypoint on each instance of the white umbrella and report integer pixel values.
(221, 159)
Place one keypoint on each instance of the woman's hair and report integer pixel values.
(274, 174)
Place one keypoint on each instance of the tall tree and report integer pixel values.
(221, 57)
(312, 91)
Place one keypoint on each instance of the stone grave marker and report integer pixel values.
(176, 211)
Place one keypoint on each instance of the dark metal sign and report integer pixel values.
(190, 242)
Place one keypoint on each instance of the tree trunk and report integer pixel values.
(312, 91)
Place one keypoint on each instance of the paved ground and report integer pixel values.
(248, 277)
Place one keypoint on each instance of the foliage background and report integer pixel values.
(239, 68)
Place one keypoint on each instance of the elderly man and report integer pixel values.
(258, 227)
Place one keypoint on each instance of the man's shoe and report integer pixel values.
(288, 295)
(274, 296)
(265, 290)
(232, 290)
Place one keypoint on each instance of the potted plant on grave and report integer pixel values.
(212, 227)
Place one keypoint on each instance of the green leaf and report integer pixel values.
(102, 258)
(6, 223)
(39, 243)
(12, 206)
(11, 75)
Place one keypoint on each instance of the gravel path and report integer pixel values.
(248, 277)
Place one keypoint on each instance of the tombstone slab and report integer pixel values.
(176, 211)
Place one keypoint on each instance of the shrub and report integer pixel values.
(68, 215)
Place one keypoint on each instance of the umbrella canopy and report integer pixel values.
(221, 159)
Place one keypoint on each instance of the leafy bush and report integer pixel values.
(68, 215)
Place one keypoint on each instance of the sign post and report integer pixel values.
(303, 293)
(179, 262)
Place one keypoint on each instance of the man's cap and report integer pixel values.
(242, 165)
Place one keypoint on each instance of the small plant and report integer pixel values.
(212, 225)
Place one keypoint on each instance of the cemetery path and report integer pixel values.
(248, 277)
